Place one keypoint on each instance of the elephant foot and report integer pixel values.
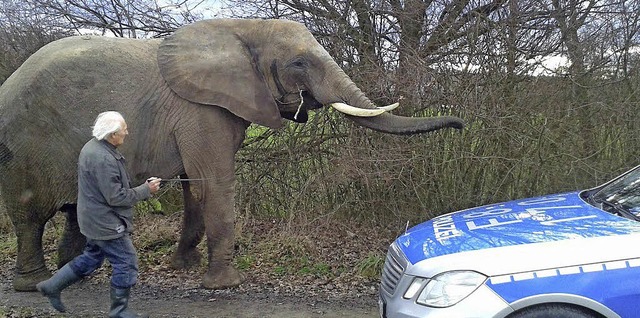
(186, 260)
(225, 277)
(27, 282)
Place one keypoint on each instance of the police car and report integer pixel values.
(569, 255)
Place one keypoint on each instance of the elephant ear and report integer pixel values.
(206, 63)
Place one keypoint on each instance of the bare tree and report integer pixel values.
(121, 18)
(25, 26)
(21, 34)
(621, 37)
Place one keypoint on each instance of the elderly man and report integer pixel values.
(105, 212)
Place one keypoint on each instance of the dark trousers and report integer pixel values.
(121, 255)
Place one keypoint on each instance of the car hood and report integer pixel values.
(544, 219)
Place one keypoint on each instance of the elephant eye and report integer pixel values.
(298, 62)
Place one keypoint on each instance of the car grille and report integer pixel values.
(394, 266)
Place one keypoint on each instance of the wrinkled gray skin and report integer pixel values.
(187, 100)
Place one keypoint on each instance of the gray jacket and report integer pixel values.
(105, 196)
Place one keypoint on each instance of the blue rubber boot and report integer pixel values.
(52, 287)
(120, 304)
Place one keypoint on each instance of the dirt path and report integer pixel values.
(167, 293)
(163, 292)
(88, 299)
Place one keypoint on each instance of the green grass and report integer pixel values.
(371, 266)
(289, 254)
(245, 262)
(5, 222)
(317, 269)
(151, 206)
(8, 244)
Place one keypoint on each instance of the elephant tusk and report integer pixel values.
(355, 111)
(299, 106)
(389, 108)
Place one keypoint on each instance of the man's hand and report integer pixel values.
(154, 184)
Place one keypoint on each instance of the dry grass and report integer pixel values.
(321, 252)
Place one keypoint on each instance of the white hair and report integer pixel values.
(107, 123)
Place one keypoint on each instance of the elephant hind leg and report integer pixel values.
(72, 242)
(30, 265)
(187, 254)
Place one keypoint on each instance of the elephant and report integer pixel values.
(188, 99)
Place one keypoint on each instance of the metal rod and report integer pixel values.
(171, 180)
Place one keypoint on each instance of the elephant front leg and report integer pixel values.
(209, 153)
(187, 254)
(221, 273)
(220, 228)
(30, 265)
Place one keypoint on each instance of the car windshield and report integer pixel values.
(621, 196)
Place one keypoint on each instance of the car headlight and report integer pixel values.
(446, 289)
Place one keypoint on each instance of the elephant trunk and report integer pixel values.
(362, 111)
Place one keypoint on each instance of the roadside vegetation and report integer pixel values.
(308, 192)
